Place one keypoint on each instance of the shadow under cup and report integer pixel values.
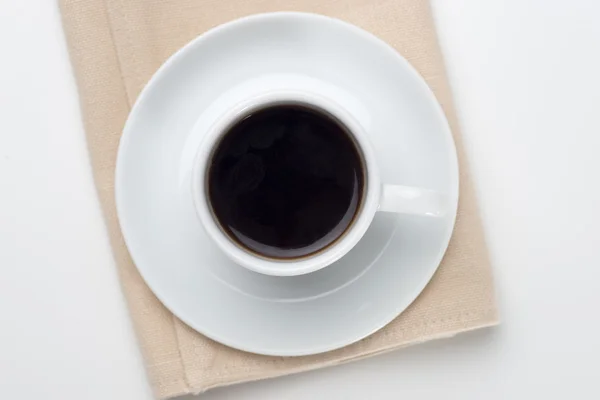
(285, 181)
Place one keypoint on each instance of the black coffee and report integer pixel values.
(286, 181)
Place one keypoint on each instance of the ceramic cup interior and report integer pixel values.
(355, 192)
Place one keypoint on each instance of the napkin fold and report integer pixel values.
(116, 46)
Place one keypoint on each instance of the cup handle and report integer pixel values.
(412, 200)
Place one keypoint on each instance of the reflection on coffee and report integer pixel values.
(285, 181)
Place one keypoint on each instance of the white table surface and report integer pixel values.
(526, 79)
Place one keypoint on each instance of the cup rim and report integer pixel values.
(305, 264)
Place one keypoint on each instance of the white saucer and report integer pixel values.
(298, 315)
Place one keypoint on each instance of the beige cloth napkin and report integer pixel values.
(116, 45)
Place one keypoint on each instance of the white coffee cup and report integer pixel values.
(377, 196)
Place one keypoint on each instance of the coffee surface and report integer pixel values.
(285, 181)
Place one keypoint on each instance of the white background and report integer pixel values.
(526, 79)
